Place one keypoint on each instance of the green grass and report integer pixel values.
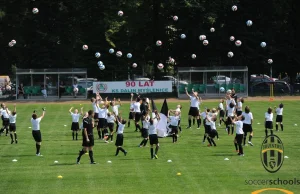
(203, 169)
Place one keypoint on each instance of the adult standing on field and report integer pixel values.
(36, 132)
(194, 108)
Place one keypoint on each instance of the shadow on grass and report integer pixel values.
(64, 164)
(224, 154)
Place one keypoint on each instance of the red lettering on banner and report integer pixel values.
(146, 83)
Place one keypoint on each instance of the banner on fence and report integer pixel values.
(132, 87)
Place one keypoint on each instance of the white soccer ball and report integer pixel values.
(238, 43)
(111, 51)
(13, 42)
(120, 13)
(10, 44)
(175, 18)
(134, 65)
(234, 8)
(85, 47)
(222, 89)
(35, 10)
(182, 36)
(97, 55)
(230, 54)
(202, 37)
(212, 29)
(8, 87)
(160, 66)
(102, 67)
(263, 44)
(100, 63)
(249, 23)
(119, 54)
(228, 91)
(205, 42)
(270, 61)
(158, 43)
(231, 38)
(129, 55)
(194, 56)
(75, 90)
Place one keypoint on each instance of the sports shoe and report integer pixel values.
(39, 154)
(188, 127)
(16, 141)
(106, 141)
(12, 141)
(249, 142)
(125, 153)
(155, 156)
(203, 142)
(219, 125)
(198, 127)
(93, 162)
(77, 161)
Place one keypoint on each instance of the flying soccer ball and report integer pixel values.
(134, 65)
(182, 36)
(160, 66)
(194, 56)
(263, 44)
(99, 63)
(222, 89)
(120, 13)
(111, 51)
(10, 44)
(231, 38)
(85, 47)
(249, 23)
(75, 90)
(13, 42)
(238, 43)
(158, 43)
(205, 42)
(8, 88)
(35, 10)
(129, 55)
(212, 29)
(97, 55)
(234, 8)
(230, 54)
(270, 61)
(102, 67)
(229, 91)
(202, 37)
(119, 54)
(175, 18)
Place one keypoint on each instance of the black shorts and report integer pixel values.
(229, 121)
(247, 128)
(207, 128)
(194, 111)
(12, 127)
(153, 139)
(87, 143)
(96, 116)
(269, 125)
(137, 116)
(213, 133)
(239, 138)
(101, 123)
(145, 133)
(75, 126)
(119, 141)
(110, 126)
(174, 129)
(37, 136)
(278, 118)
(239, 112)
(179, 122)
(131, 115)
(222, 113)
(5, 122)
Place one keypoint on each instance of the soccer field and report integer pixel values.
(203, 169)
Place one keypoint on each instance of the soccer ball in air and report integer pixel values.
(97, 55)
(231, 38)
(270, 61)
(182, 36)
(129, 55)
(230, 54)
(13, 42)
(263, 44)
(85, 47)
(160, 66)
(205, 42)
(111, 51)
(238, 43)
(134, 65)
(222, 89)
(75, 90)
(202, 37)
(228, 91)
(10, 44)
(194, 56)
(158, 43)
(175, 18)
(100, 63)
(249, 23)
(234, 8)
(212, 29)
(101, 67)
(35, 10)
(120, 13)
(119, 54)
